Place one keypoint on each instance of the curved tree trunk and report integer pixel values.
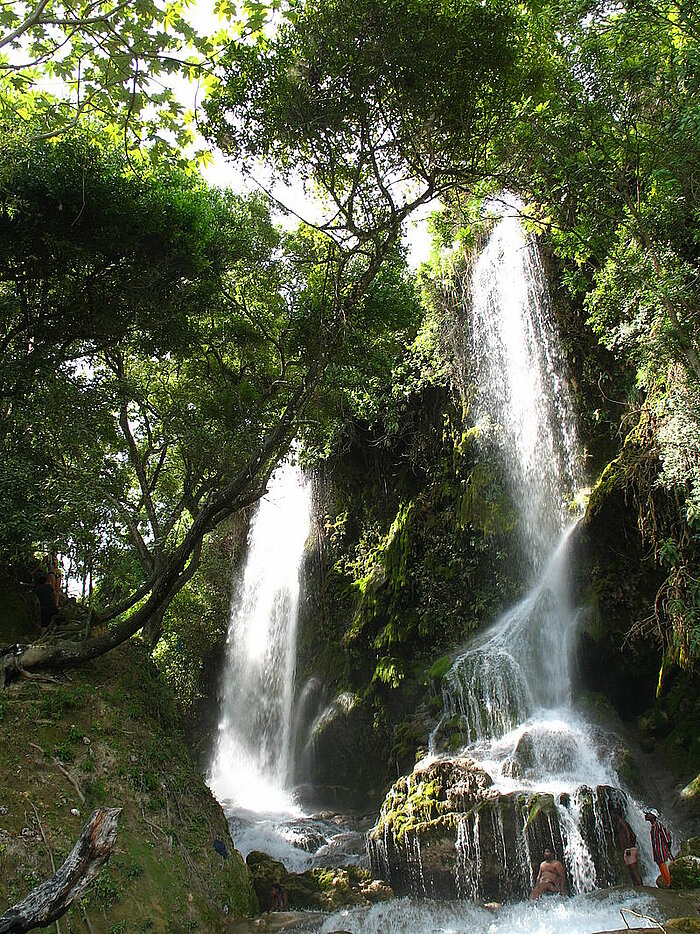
(178, 568)
(53, 898)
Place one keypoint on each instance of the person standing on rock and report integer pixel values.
(551, 879)
(660, 843)
(278, 898)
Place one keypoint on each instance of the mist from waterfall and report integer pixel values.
(251, 763)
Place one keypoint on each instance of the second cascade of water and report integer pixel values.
(251, 771)
(509, 693)
(250, 765)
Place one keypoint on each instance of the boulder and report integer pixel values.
(444, 831)
(323, 889)
(690, 847)
(685, 871)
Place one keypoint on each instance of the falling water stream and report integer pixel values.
(251, 767)
(509, 690)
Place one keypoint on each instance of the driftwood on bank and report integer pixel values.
(53, 898)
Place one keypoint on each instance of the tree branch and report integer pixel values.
(50, 900)
(30, 21)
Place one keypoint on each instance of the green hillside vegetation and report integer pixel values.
(111, 732)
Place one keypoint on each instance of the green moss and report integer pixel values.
(540, 804)
(439, 668)
(594, 620)
(164, 873)
(682, 926)
(612, 478)
(315, 888)
(484, 505)
(413, 803)
(685, 872)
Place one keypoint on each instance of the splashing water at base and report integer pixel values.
(555, 915)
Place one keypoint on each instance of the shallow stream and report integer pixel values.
(611, 910)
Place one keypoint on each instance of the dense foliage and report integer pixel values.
(63, 64)
(161, 342)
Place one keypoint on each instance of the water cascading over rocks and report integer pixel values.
(530, 771)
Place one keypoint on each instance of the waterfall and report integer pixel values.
(523, 401)
(251, 762)
(517, 672)
(528, 758)
(511, 689)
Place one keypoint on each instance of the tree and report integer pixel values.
(608, 157)
(385, 106)
(165, 339)
(62, 63)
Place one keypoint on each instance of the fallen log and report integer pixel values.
(52, 898)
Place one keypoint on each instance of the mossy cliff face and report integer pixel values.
(415, 550)
(626, 649)
(445, 831)
(110, 731)
(615, 585)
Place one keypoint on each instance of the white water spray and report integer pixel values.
(250, 767)
(523, 399)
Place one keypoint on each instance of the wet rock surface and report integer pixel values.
(685, 870)
(444, 831)
(321, 889)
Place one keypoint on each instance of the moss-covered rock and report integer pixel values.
(690, 847)
(690, 795)
(416, 550)
(682, 926)
(445, 831)
(685, 872)
(321, 889)
(624, 572)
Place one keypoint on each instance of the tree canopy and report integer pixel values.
(162, 342)
(383, 105)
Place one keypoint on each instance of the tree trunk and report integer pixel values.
(243, 490)
(53, 898)
(153, 628)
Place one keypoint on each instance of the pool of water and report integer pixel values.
(581, 914)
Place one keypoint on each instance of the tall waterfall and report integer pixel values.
(523, 398)
(519, 669)
(508, 693)
(250, 767)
